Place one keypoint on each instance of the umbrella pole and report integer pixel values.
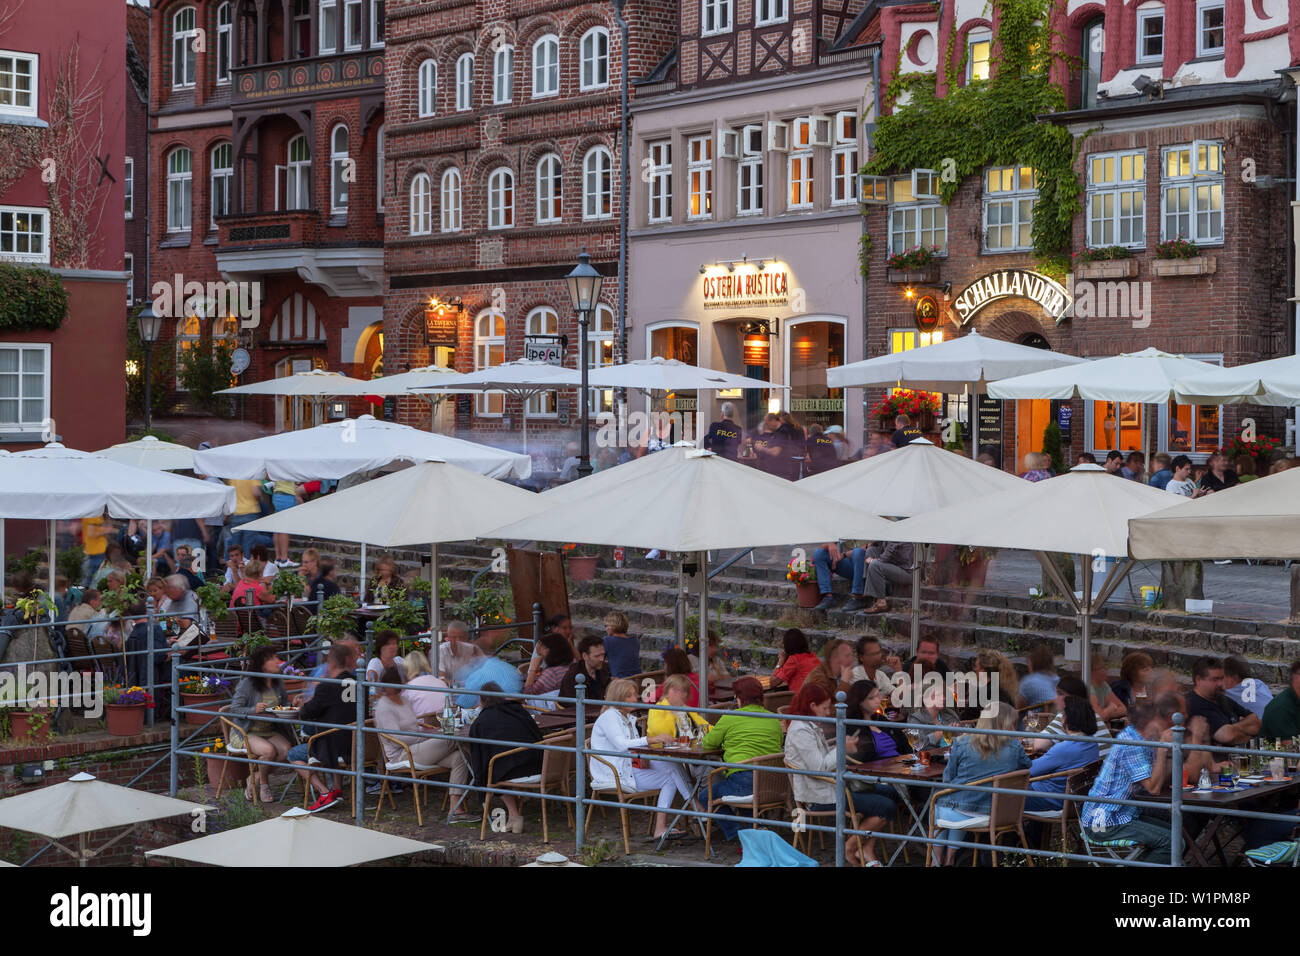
(81, 850)
(2, 560)
(363, 573)
(51, 560)
(702, 559)
(1086, 663)
(917, 551)
(973, 421)
(435, 612)
(148, 549)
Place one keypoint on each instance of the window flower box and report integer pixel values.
(916, 275)
(1193, 266)
(1107, 269)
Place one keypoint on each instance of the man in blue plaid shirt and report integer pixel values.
(1130, 771)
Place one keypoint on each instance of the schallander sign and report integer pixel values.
(753, 289)
(1009, 283)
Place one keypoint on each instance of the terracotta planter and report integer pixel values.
(581, 567)
(28, 725)
(808, 594)
(1195, 266)
(972, 575)
(236, 772)
(200, 700)
(494, 637)
(125, 720)
(294, 686)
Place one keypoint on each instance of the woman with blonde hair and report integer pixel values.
(385, 577)
(421, 690)
(989, 661)
(977, 756)
(677, 690)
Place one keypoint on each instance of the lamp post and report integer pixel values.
(149, 323)
(584, 290)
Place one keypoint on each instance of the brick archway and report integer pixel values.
(1017, 326)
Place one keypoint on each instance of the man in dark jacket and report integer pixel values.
(329, 704)
(138, 664)
(724, 435)
(591, 662)
(503, 719)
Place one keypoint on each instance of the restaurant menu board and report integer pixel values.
(988, 426)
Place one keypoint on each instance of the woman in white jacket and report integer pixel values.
(615, 730)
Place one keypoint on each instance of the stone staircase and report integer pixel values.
(751, 606)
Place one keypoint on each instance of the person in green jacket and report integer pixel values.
(1282, 715)
(742, 738)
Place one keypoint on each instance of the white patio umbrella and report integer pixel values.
(149, 452)
(522, 378)
(970, 362)
(429, 503)
(425, 377)
(1146, 377)
(913, 480)
(318, 384)
(296, 838)
(82, 805)
(659, 374)
(1271, 382)
(685, 499)
(1255, 519)
(1085, 512)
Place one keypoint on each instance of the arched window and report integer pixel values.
(1094, 45)
(223, 43)
(503, 74)
(542, 321)
(600, 352)
(297, 175)
(184, 32)
(421, 205)
(549, 188)
(427, 88)
(594, 51)
(342, 171)
(189, 332)
(597, 184)
(489, 350)
(451, 200)
(546, 66)
(179, 190)
(380, 175)
(501, 199)
(220, 178)
(465, 82)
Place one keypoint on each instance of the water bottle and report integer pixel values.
(1204, 782)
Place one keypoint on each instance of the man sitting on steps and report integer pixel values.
(871, 570)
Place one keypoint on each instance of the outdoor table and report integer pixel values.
(554, 720)
(900, 769)
(1217, 830)
(691, 750)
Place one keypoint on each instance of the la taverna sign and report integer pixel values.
(1012, 283)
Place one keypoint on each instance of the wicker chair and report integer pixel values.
(818, 814)
(771, 792)
(79, 649)
(773, 700)
(229, 730)
(557, 768)
(1006, 812)
(624, 800)
(416, 771)
(1077, 783)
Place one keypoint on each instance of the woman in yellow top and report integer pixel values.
(677, 688)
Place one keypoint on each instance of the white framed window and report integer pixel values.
(489, 352)
(450, 200)
(600, 353)
(128, 186)
(465, 82)
(542, 321)
(381, 176)
(660, 185)
(844, 159)
(221, 174)
(353, 13)
(297, 175)
(979, 53)
(329, 27)
(550, 189)
(1191, 192)
(915, 222)
(503, 74)
(1009, 196)
(546, 66)
(1209, 27)
(1117, 199)
(799, 165)
(376, 22)
(715, 17)
(699, 177)
(24, 386)
(179, 189)
(224, 48)
(129, 265)
(501, 199)
(426, 88)
(184, 32)
(19, 76)
(1151, 35)
(339, 169)
(770, 11)
(594, 57)
(421, 205)
(24, 234)
(749, 185)
(597, 184)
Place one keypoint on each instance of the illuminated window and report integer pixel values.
(1117, 199)
(699, 173)
(1009, 196)
(489, 351)
(979, 48)
(1191, 192)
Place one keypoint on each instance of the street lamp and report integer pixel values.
(584, 290)
(149, 323)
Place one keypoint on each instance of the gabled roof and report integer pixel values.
(663, 69)
(137, 49)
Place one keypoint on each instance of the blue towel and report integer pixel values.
(765, 848)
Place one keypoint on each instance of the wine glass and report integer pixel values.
(916, 738)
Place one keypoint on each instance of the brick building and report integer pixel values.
(1185, 133)
(266, 134)
(135, 182)
(502, 165)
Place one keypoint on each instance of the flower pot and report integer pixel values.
(125, 720)
(29, 725)
(235, 771)
(294, 685)
(199, 700)
(581, 567)
(808, 594)
(972, 575)
(493, 637)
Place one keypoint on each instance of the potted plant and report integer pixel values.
(28, 721)
(214, 603)
(124, 709)
(579, 565)
(1182, 257)
(401, 615)
(1105, 262)
(223, 773)
(36, 607)
(335, 619)
(293, 679)
(245, 644)
(973, 566)
(921, 407)
(419, 591)
(198, 690)
(800, 572)
(915, 265)
(487, 608)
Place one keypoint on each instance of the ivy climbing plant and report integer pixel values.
(992, 122)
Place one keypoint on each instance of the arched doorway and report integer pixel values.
(1032, 415)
